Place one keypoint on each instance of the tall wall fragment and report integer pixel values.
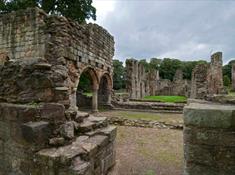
(233, 77)
(137, 80)
(207, 79)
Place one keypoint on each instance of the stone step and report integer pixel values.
(78, 154)
(92, 123)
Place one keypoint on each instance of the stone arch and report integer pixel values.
(105, 88)
(83, 100)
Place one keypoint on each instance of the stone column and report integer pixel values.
(95, 100)
(209, 139)
(233, 77)
(109, 98)
(73, 100)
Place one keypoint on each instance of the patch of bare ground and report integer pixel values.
(148, 151)
(160, 117)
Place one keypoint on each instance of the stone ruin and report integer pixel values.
(233, 77)
(41, 130)
(139, 83)
(207, 79)
(178, 86)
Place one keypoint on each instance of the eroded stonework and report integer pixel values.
(178, 86)
(209, 146)
(207, 79)
(139, 83)
(41, 130)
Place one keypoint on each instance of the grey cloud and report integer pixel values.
(187, 30)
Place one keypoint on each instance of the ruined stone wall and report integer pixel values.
(178, 86)
(41, 130)
(209, 146)
(215, 74)
(137, 83)
(152, 81)
(207, 79)
(233, 77)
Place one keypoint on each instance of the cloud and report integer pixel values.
(187, 30)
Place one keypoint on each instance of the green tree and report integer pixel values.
(78, 10)
(168, 68)
(118, 75)
(188, 66)
(226, 80)
(155, 63)
(146, 64)
(227, 69)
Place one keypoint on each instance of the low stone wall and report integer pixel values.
(150, 106)
(209, 139)
(120, 121)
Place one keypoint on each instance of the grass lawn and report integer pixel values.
(231, 93)
(173, 99)
(88, 94)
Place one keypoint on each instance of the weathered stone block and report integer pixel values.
(52, 111)
(209, 116)
(36, 132)
(67, 130)
(212, 137)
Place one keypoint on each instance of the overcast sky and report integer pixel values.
(184, 29)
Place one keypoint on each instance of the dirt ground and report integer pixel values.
(148, 151)
(160, 117)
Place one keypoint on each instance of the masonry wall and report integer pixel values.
(178, 86)
(137, 83)
(209, 146)
(233, 77)
(41, 130)
(207, 79)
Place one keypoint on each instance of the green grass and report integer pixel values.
(231, 93)
(88, 94)
(173, 99)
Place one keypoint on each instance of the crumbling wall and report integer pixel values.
(215, 74)
(137, 83)
(207, 79)
(178, 86)
(209, 146)
(233, 77)
(41, 130)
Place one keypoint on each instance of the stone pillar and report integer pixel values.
(73, 100)
(209, 139)
(95, 100)
(233, 77)
(109, 97)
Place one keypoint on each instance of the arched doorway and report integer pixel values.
(104, 92)
(87, 89)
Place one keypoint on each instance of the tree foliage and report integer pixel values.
(78, 10)
(118, 75)
(227, 70)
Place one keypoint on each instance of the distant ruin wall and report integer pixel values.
(233, 77)
(207, 79)
(178, 86)
(139, 83)
(209, 146)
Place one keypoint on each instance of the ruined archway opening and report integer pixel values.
(87, 91)
(104, 92)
